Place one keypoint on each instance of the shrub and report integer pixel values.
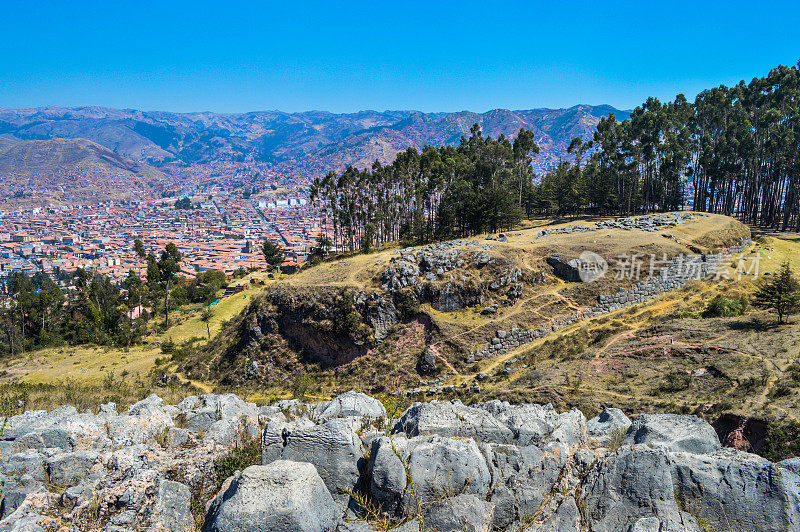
(241, 457)
(782, 441)
(676, 382)
(723, 307)
(167, 346)
(300, 385)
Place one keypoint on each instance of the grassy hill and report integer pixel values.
(667, 354)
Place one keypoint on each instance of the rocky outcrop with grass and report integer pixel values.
(218, 463)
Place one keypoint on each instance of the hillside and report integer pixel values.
(75, 168)
(315, 140)
(483, 319)
(480, 319)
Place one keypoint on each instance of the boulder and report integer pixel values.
(70, 469)
(441, 467)
(283, 495)
(387, 473)
(13, 497)
(202, 412)
(528, 423)
(28, 463)
(735, 490)
(381, 315)
(450, 419)
(631, 484)
(176, 437)
(353, 404)
(570, 430)
(522, 476)
(144, 421)
(63, 428)
(600, 429)
(231, 431)
(566, 270)
(463, 513)
(333, 448)
(426, 365)
(172, 509)
(673, 432)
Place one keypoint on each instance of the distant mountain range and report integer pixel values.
(315, 141)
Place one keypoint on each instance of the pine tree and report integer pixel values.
(781, 294)
(273, 254)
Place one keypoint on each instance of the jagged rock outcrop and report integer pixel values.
(131, 471)
(444, 465)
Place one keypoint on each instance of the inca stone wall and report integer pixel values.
(673, 275)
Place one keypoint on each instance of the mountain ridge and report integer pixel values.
(318, 140)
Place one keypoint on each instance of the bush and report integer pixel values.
(241, 457)
(676, 381)
(167, 346)
(723, 307)
(782, 441)
(300, 385)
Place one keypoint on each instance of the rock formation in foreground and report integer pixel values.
(343, 466)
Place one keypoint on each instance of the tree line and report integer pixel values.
(86, 307)
(445, 192)
(734, 151)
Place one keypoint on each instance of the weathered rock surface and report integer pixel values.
(353, 404)
(610, 422)
(283, 495)
(734, 490)
(452, 419)
(332, 447)
(463, 513)
(491, 466)
(673, 432)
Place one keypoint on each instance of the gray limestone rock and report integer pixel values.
(441, 467)
(452, 419)
(353, 404)
(333, 448)
(601, 428)
(463, 513)
(738, 491)
(673, 432)
(70, 469)
(284, 495)
(172, 509)
(631, 484)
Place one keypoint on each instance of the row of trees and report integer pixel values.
(637, 165)
(739, 147)
(444, 192)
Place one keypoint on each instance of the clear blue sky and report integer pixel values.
(234, 56)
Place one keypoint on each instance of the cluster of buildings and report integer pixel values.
(223, 231)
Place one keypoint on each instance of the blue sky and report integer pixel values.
(345, 56)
